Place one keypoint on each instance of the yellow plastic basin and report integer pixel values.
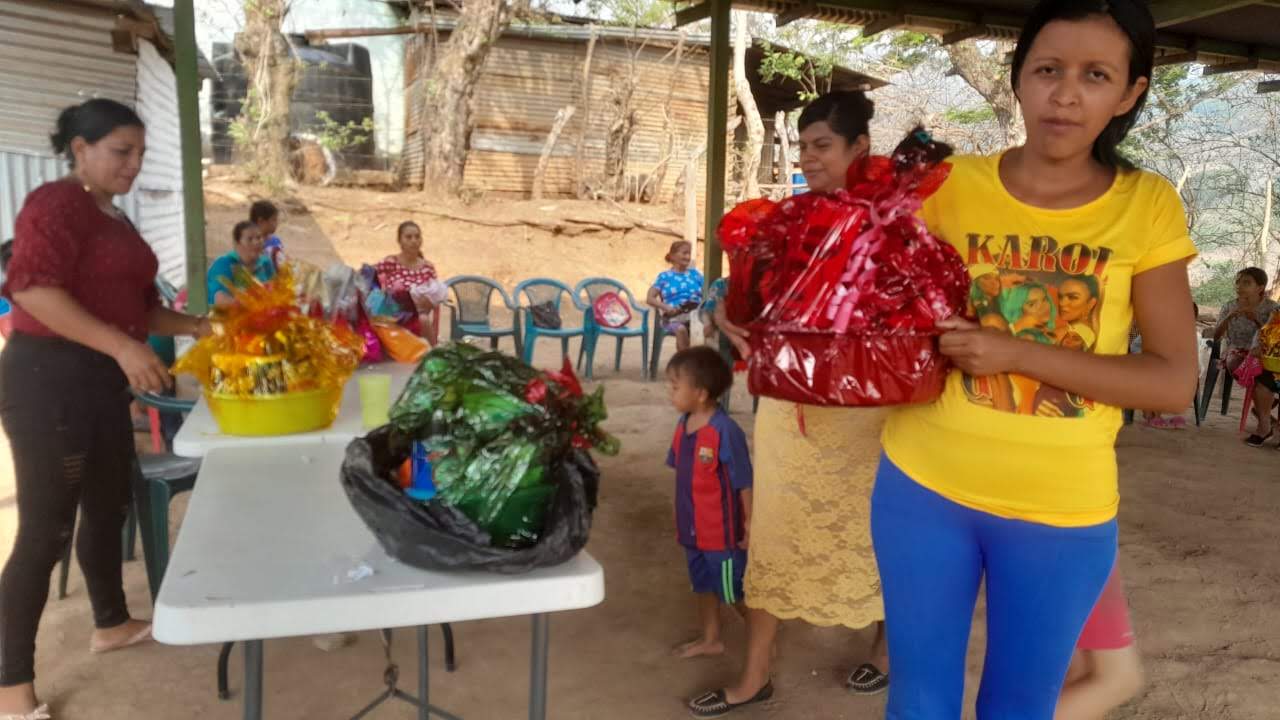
(1271, 364)
(284, 414)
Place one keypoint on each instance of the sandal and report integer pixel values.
(40, 713)
(713, 704)
(1256, 440)
(867, 680)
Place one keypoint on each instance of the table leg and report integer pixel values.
(424, 676)
(538, 675)
(253, 680)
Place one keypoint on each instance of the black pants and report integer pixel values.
(65, 409)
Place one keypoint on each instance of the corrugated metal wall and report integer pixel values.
(53, 55)
(158, 189)
(527, 80)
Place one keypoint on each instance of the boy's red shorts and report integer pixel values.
(1108, 627)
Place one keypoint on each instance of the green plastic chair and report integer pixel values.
(536, 291)
(471, 312)
(593, 288)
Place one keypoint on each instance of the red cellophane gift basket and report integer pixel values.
(842, 291)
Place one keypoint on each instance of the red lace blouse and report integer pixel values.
(62, 239)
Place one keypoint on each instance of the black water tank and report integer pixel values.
(337, 79)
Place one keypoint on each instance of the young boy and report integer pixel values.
(267, 217)
(1106, 671)
(713, 490)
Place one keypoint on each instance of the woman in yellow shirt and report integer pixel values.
(972, 490)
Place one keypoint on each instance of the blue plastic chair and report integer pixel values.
(472, 311)
(536, 291)
(593, 288)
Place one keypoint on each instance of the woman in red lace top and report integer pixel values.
(410, 279)
(82, 283)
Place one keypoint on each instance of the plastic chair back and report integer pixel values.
(473, 298)
(536, 291)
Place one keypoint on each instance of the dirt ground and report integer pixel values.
(1198, 535)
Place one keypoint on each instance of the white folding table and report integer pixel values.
(200, 433)
(271, 548)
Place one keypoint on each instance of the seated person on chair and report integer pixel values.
(246, 252)
(677, 293)
(1241, 318)
(410, 279)
(1265, 388)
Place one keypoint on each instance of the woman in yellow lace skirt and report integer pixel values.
(810, 554)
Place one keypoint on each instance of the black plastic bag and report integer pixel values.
(545, 315)
(434, 536)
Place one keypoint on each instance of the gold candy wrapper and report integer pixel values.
(264, 345)
(236, 374)
(1269, 340)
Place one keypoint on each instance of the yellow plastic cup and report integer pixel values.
(375, 399)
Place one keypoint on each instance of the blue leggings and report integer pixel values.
(1042, 583)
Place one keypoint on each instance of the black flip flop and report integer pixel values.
(867, 680)
(1256, 440)
(713, 704)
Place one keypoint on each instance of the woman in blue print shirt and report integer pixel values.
(677, 293)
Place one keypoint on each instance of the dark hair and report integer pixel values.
(1135, 21)
(405, 226)
(848, 112)
(6, 254)
(676, 246)
(262, 210)
(1090, 282)
(239, 229)
(705, 368)
(91, 120)
(1258, 274)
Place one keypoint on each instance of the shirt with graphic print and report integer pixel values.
(713, 467)
(1010, 445)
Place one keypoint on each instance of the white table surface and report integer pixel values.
(268, 543)
(200, 433)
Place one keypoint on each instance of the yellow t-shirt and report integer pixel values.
(1009, 445)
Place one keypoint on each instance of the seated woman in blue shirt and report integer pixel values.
(246, 251)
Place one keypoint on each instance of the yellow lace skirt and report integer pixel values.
(810, 556)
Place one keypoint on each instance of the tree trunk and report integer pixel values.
(784, 136)
(584, 98)
(272, 75)
(750, 163)
(622, 127)
(990, 78)
(449, 99)
(563, 116)
(1264, 237)
(667, 154)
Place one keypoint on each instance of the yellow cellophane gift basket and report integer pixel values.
(1269, 340)
(269, 369)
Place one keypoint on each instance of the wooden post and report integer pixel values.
(184, 21)
(784, 135)
(716, 136)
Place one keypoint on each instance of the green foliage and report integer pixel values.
(970, 116)
(1218, 287)
(631, 13)
(335, 137)
(907, 50)
(243, 129)
(812, 73)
